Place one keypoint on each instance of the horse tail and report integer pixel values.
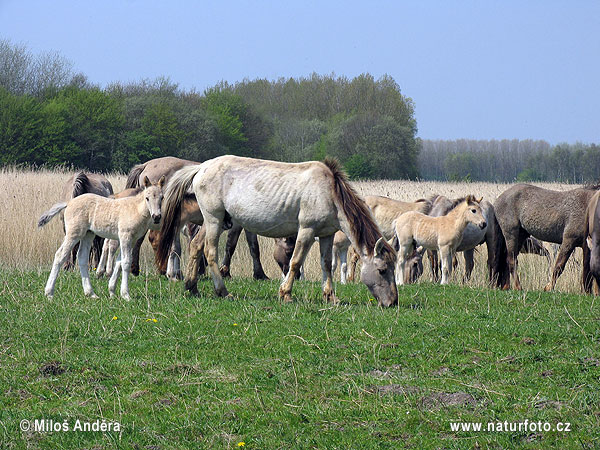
(365, 230)
(81, 184)
(587, 281)
(133, 179)
(173, 199)
(48, 215)
(497, 255)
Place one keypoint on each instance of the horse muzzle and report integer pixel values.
(482, 225)
(156, 219)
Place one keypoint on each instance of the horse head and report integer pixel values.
(153, 195)
(473, 213)
(378, 273)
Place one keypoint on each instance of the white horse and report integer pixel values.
(274, 199)
(126, 219)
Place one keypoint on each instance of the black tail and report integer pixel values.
(497, 255)
(587, 281)
(133, 179)
(81, 184)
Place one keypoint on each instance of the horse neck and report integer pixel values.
(365, 250)
(140, 202)
(459, 217)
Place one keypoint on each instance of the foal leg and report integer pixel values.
(446, 255)
(304, 241)
(112, 283)
(113, 246)
(257, 268)
(173, 267)
(83, 256)
(404, 251)
(230, 245)
(351, 270)
(135, 261)
(435, 265)
(343, 266)
(566, 248)
(61, 255)
(326, 247)
(126, 257)
(101, 270)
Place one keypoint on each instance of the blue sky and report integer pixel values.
(475, 69)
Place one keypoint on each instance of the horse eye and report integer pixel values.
(382, 271)
(473, 211)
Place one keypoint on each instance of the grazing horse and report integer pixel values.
(386, 210)
(167, 166)
(444, 234)
(86, 183)
(524, 210)
(473, 235)
(87, 215)
(275, 199)
(591, 246)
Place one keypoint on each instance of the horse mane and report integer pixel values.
(81, 184)
(426, 207)
(133, 179)
(592, 187)
(362, 225)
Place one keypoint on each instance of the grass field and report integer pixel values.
(201, 372)
(185, 372)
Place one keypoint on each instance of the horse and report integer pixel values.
(167, 166)
(82, 183)
(88, 215)
(275, 199)
(444, 234)
(524, 210)
(110, 247)
(386, 210)
(473, 235)
(591, 246)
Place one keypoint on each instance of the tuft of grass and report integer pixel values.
(202, 372)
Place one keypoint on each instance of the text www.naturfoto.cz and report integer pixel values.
(506, 426)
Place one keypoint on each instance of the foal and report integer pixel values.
(125, 219)
(443, 234)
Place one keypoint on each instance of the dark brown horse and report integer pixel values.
(167, 166)
(86, 183)
(473, 236)
(524, 210)
(591, 246)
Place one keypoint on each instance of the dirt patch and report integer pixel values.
(590, 362)
(138, 394)
(441, 372)
(528, 341)
(507, 359)
(439, 400)
(545, 403)
(52, 369)
(547, 373)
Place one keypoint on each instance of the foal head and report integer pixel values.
(377, 273)
(472, 211)
(153, 195)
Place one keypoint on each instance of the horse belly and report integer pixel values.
(471, 238)
(269, 220)
(549, 228)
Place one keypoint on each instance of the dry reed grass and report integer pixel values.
(26, 194)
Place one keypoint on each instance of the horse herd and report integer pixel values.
(300, 203)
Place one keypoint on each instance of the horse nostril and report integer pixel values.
(484, 224)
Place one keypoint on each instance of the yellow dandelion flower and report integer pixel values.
(235, 325)
(115, 317)
(151, 320)
(241, 444)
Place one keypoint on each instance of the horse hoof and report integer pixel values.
(223, 292)
(92, 295)
(287, 298)
(547, 288)
(261, 276)
(225, 273)
(331, 298)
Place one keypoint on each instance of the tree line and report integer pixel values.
(509, 161)
(50, 115)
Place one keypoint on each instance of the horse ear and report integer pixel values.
(480, 198)
(379, 247)
(147, 182)
(161, 182)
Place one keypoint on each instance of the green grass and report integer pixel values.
(210, 373)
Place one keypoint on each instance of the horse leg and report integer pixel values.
(96, 251)
(61, 255)
(514, 239)
(343, 255)
(195, 262)
(435, 265)
(232, 239)
(126, 257)
(447, 257)
(101, 270)
(112, 282)
(214, 227)
(326, 249)
(173, 267)
(83, 256)
(354, 257)
(304, 241)
(257, 269)
(110, 260)
(404, 251)
(154, 239)
(566, 248)
(135, 256)
(469, 263)
(69, 264)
